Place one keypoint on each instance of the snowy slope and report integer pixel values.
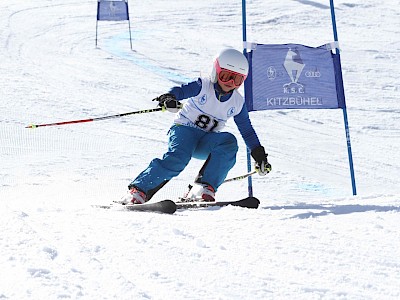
(309, 239)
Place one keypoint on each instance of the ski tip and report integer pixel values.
(255, 201)
(169, 206)
(163, 206)
(249, 202)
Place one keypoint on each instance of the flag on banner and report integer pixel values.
(112, 10)
(293, 76)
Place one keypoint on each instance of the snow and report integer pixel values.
(310, 238)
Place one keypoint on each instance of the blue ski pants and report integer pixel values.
(218, 148)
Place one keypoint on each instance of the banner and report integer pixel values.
(112, 11)
(293, 76)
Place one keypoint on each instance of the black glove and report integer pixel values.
(263, 167)
(169, 102)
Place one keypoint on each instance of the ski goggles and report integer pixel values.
(227, 76)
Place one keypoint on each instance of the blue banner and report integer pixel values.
(112, 11)
(293, 76)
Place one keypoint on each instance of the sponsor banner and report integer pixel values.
(112, 11)
(292, 76)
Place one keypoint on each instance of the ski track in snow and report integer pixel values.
(310, 239)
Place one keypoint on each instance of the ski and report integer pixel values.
(249, 202)
(164, 206)
(169, 207)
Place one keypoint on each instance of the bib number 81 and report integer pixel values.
(203, 121)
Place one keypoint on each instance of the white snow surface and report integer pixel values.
(309, 239)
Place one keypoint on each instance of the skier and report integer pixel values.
(196, 132)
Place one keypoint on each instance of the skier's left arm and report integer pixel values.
(250, 137)
(170, 101)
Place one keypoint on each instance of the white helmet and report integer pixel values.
(230, 59)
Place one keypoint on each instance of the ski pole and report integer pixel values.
(240, 177)
(234, 178)
(97, 119)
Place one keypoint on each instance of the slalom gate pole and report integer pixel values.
(240, 177)
(244, 38)
(344, 109)
(145, 111)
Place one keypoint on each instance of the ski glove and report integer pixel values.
(168, 102)
(262, 166)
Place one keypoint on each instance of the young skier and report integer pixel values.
(196, 132)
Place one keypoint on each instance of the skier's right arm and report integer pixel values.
(188, 90)
(170, 101)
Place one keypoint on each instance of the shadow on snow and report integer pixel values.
(332, 209)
